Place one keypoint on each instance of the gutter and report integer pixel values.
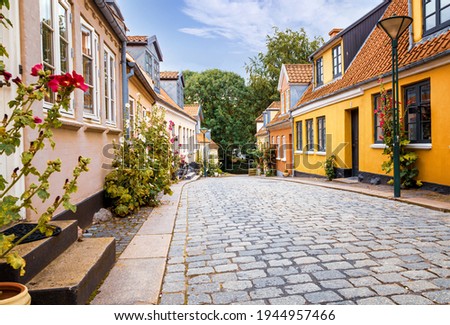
(121, 33)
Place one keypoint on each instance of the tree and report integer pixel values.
(283, 47)
(225, 102)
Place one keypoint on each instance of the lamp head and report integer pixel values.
(395, 26)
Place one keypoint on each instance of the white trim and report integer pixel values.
(284, 159)
(111, 107)
(95, 116)
(298, 152)
(378, 146)
(310, 153)
(419, 146)
(56, 50)
(328, 101)
(278, 158)
(321, 153)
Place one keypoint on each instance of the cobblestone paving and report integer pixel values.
(243, 240)
(122, 229)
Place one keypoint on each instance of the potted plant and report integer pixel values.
(286, 173)
(21, 117)
(13, 293)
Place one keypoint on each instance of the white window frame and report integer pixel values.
(278, 147)
(132, 115)
(110, 87)
(95, 71)
(56, 46)
(283, 148)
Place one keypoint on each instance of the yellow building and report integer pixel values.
(336, 113)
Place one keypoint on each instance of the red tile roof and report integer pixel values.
(299, 73)
(261, 132)
(168, 75)
(374, 58)
(138, 39)
(259, 118)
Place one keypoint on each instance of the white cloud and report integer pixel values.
(247, 22)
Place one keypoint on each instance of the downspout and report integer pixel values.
(411, 31)
(291, 119)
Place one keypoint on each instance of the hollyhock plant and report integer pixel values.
(18, 119)
(37, 69)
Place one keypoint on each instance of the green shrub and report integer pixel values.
(143, 165)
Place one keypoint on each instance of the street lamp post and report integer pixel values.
(394, 27)
(204, 131)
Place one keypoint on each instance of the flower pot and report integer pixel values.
(13, 293)
(285, 174)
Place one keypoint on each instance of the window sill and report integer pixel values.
(71, 124)
(419, 146)
(95, 128)
(321, 153)
(114, 131)
(298, 152)
(278, 158)
(284, 160)
(378, 146)
(310, 153)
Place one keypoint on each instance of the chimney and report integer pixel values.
(334, 32)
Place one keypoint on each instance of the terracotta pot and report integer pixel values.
(285, 174)
(13, 293)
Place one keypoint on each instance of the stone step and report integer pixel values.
(73, 276)
(40, 253)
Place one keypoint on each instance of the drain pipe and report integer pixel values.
(411, 31)
(125, 77)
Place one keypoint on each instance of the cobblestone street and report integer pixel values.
(241, 240)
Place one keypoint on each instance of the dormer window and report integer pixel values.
(148, 63)
(436, 15)
(337, 61)
(319, 72)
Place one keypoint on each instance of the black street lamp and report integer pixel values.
(394, 27)
(204, 131)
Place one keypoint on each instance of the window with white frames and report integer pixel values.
(89, 50)
(109, 66)
(279, 147)
(131, 115)
(55, 38)
(283, 148)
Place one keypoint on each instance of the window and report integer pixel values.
(283, 148)
(56, 43)
(148, 63)
(309, 135)
(378, 131)
(418, 112)
(156, 73)
(436, 15)
(132, 115)
(299, 136)
(278, 147)
(319, 72)
(89, 50)
(337, 61)
(109, 65)
(321, 134)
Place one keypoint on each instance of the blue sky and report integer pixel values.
(204, 34)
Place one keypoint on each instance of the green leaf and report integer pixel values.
(16, 262)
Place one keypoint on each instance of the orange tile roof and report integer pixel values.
(259, 118)
(168, 75)
(275, 105)
(137, 39)
(299, 73)
(192, 110)
(261, 132)
(278, 120)
(374, 58)
(200, 139)
(168, 100)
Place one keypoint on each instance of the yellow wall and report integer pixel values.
(417, 25)
(327, 59)
(433, 164)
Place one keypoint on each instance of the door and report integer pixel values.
(355, 143)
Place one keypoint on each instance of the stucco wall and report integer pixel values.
(79, 136)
